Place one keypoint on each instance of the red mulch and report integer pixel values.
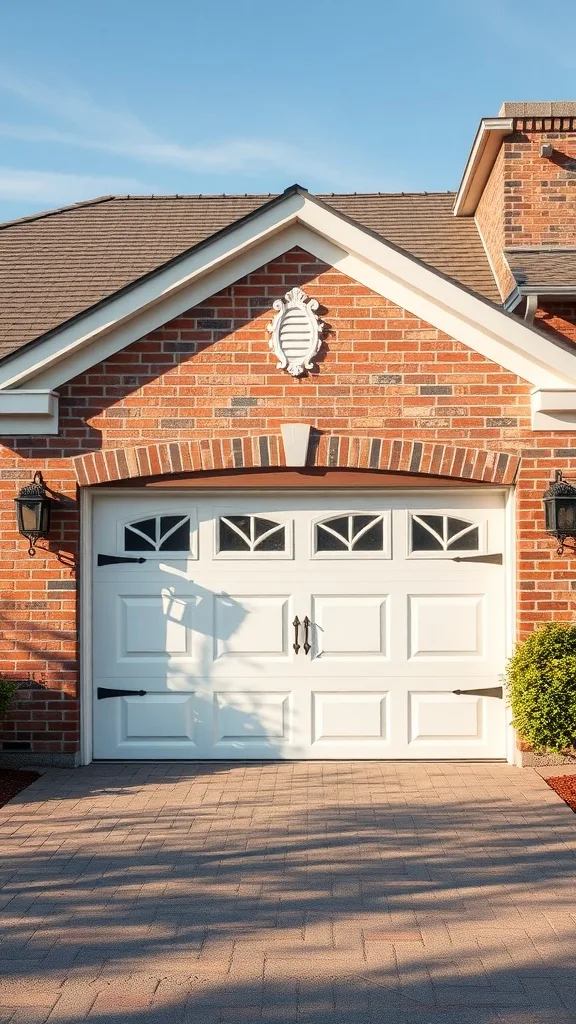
(565, 786)
(13, 781)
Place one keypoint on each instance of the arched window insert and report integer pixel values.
(250, 534)
(352, 532)
(158, 533)
(442, 532)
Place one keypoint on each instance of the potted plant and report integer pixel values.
(541, 684)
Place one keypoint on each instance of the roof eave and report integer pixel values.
(523, 291)
(482, 157)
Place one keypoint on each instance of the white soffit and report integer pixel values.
(295, 220)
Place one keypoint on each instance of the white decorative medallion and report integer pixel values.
(296, 332)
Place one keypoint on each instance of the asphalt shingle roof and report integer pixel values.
(547, 267)
(54, 266)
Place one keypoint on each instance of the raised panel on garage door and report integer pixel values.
(349, 625)
(150, 627)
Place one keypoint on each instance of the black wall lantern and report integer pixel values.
(33, 511)
(560, 510)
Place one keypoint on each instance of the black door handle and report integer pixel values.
(296, 625)
(103, 693)
(116, 560)
(306, 644)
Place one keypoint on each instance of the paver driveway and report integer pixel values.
(312, 892)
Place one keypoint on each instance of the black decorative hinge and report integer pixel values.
(103, 693)
(493, 559)
(116, 560)
(489, 691)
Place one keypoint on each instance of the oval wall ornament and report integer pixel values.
(296, 332)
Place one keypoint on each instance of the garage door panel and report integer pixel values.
(156, 717)
(148, 726)
(252, 717)
(349, 625)
(348, 717)
(153, 625)
(252, 626)
(142, 625)
(437, 715)
(446, 626)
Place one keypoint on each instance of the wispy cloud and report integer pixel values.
(52, 187)
(83, 123)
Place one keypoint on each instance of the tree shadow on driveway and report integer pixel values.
(309, 892)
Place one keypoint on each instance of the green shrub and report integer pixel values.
(541, 684)
(7, 691)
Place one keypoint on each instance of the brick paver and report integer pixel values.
(294, 893)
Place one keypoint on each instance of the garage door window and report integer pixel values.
(161, 533)
(353, 534)
(434, 533)
(250, 535)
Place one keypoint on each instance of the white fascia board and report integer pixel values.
(553, 409)
(34, 362)
(28, 412)
(485, 328)
(480, 162)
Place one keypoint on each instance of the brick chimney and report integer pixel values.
(520, 184)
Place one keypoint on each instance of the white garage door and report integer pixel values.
(298, 625)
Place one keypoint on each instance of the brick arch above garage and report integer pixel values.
(266, 451)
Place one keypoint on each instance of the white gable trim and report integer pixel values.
(295, 220)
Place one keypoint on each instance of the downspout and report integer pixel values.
(531, 307)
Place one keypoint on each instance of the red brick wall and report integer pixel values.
(382, 373)
(490, 220)
(557, 317)
(540, 192)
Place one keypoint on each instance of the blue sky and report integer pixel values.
(252, 95)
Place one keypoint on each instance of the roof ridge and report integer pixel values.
(447, 192)
(269, 195)
(59, 209)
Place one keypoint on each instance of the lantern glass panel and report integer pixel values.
(30, 516)
(45, 520)
(565, 516)
(550, 514)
